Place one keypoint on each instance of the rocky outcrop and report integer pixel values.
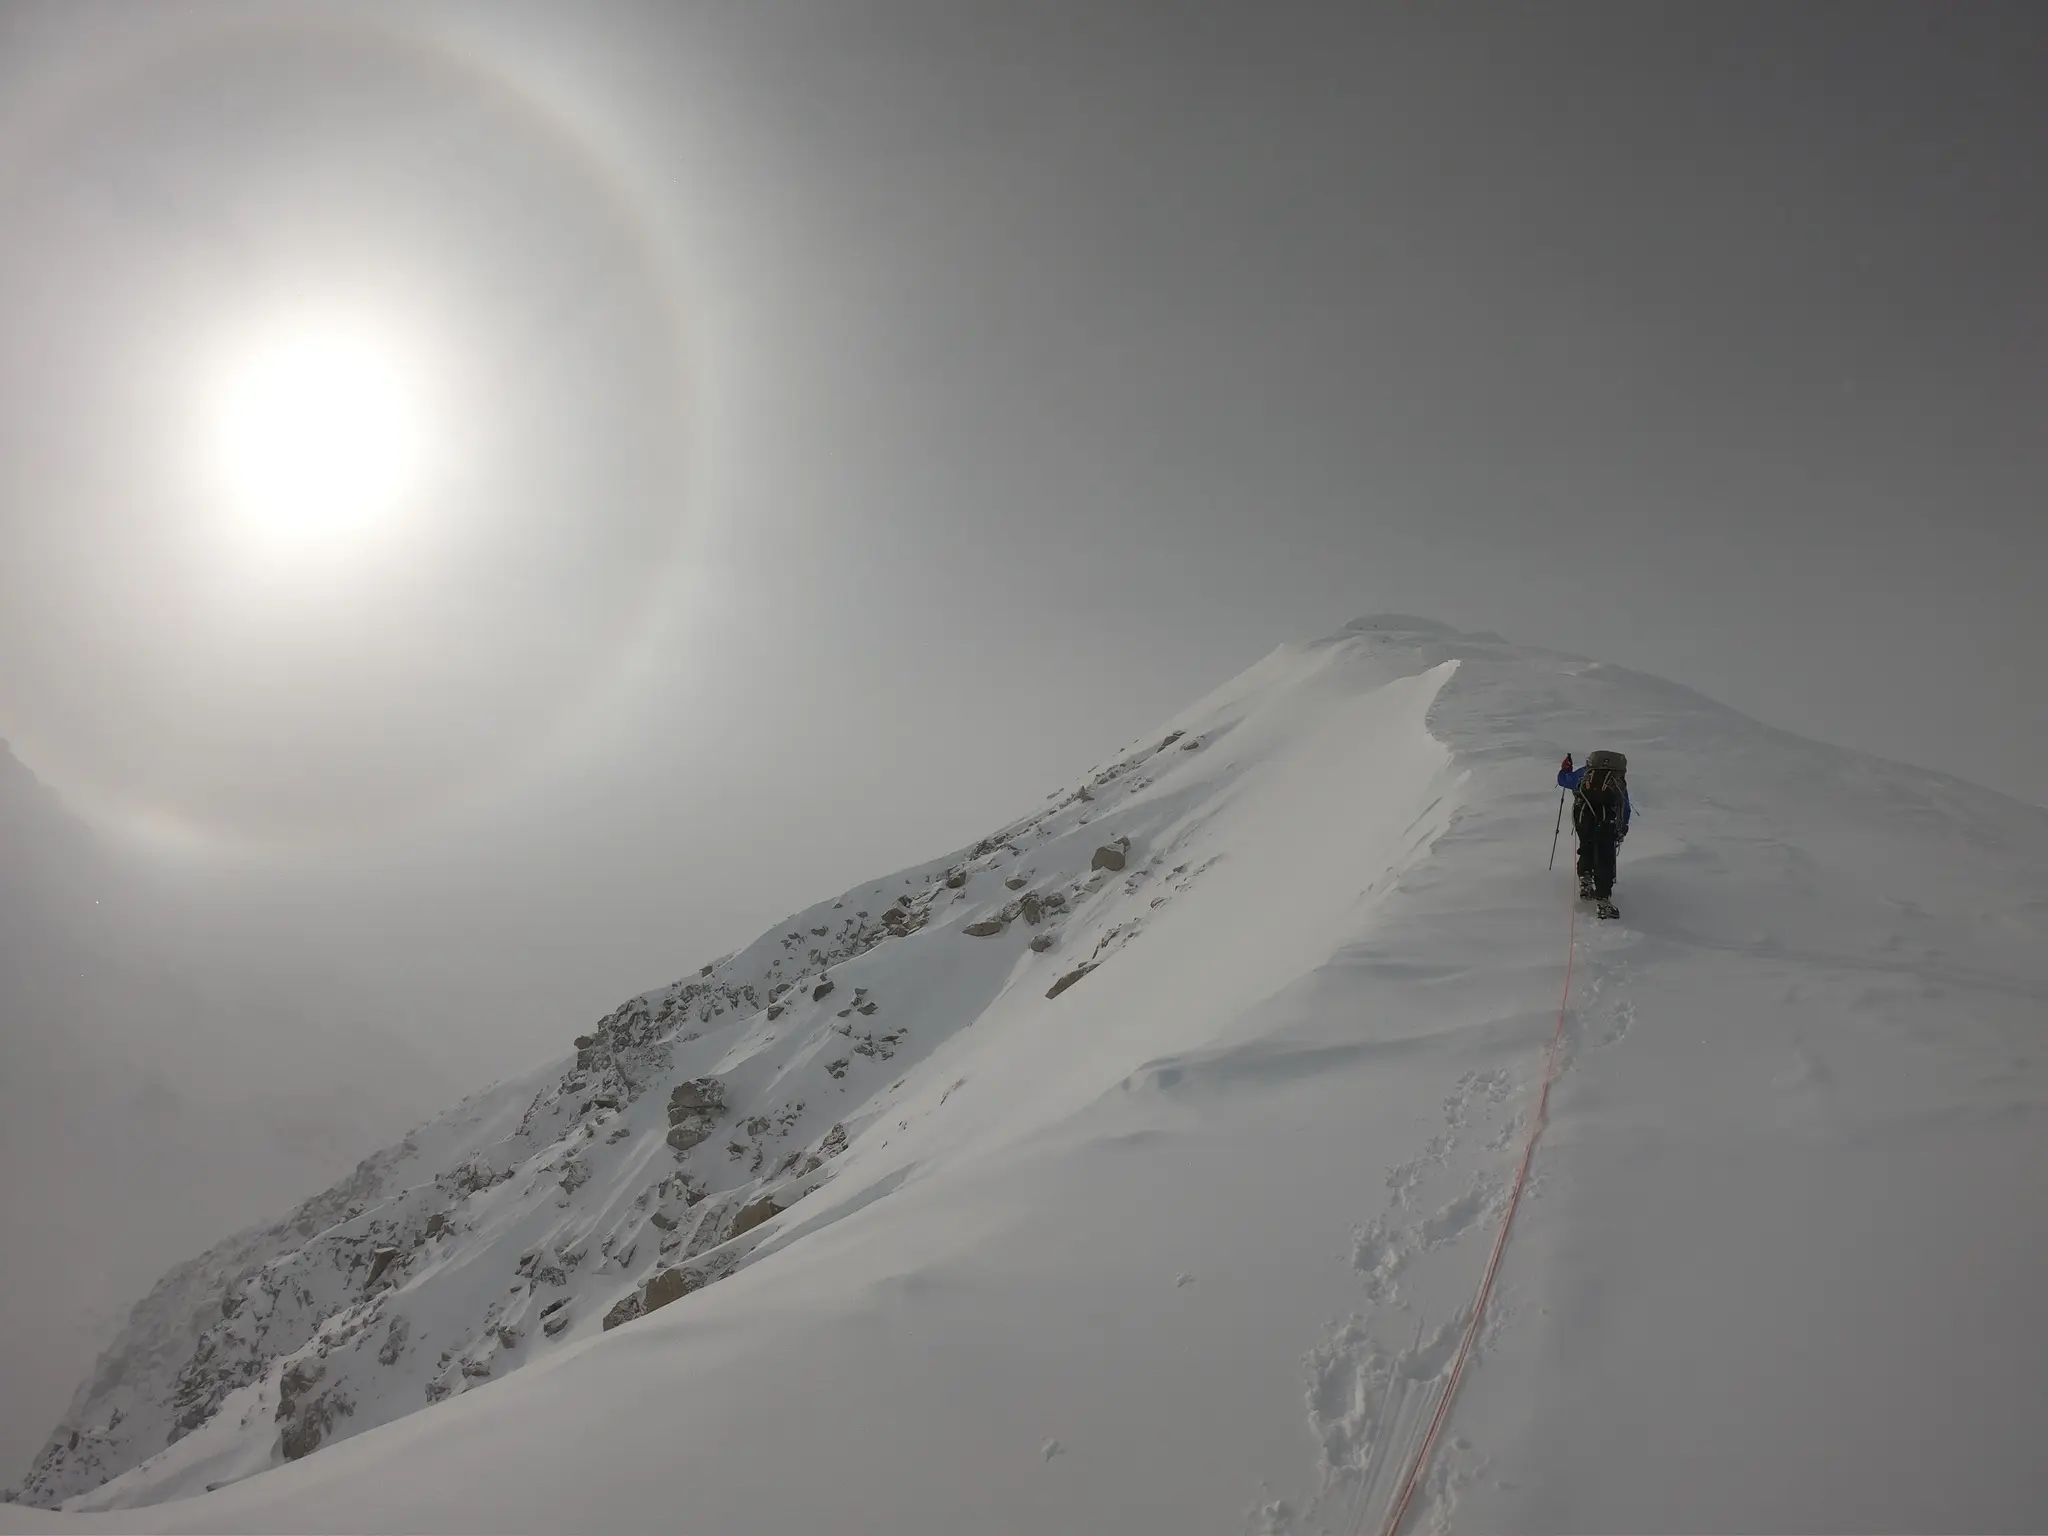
(1109, 857)
(381, 1260)
(751, 1216)
(670, 1285)
(988, 928)
(306, 1415)
(694, 1108)
(1068, 980)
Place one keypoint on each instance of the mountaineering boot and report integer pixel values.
(1608, 908)
(1585, 888)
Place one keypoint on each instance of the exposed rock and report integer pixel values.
(955, 880)
(380, 1261)
(627, 1308)
(306, 1419)
(1108, 857)
(1086, 793)
(508, 1338)
(1176, 736)
(776, 1011)
(670, 1285)
(986, 929)
(298, 1380)
(751, 1216)
(683, 1137)
(867, 1009)
(821, 991)
(697, 1093)
(1041, 942)
(436, 1225)
(1032, 909)
(666, 1223)
(1068, 980)
(396, 1334)
(1189, 746)
(555, 1324)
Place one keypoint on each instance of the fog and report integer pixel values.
(814, 393)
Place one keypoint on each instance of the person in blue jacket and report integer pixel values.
(1600, 818)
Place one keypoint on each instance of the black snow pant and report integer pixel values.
(1597, 843)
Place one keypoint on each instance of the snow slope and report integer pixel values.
(1187, 1246)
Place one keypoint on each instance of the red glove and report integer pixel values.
(1567, 763)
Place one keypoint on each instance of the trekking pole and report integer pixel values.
(1557, 830)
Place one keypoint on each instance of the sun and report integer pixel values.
(317, 432)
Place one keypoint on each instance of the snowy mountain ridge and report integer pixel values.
(1134, 1167)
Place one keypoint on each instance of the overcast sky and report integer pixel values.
(838, 423)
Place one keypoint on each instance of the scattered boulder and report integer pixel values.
(1068, 980)
(667, 1223)
(1016, 883)
(821, 991)
(955, 881)
(867, 1009)
(988, 928)
(1032, 909)
(436, 1225)
(1176, 736)
(628, 1308)
(1189, 746)
(1041, 942)
(1086, 793)
(555, 1324)
(776, 1011)
(1108, 857)
(584, 1042)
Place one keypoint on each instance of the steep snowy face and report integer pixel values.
(1136, 1167)
(662, 1155)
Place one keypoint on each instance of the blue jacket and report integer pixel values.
(1571, 780)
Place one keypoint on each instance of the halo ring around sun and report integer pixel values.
(312, 366)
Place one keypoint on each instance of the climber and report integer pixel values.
(1600, 817)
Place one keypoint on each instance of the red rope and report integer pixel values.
(1443, 1403)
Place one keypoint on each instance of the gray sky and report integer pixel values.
(849, 419)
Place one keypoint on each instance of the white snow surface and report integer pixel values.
(1188, 1246)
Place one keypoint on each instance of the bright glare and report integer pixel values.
(318, 433)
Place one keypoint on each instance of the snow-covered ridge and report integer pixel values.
(1134, 1167)
(651, 1162)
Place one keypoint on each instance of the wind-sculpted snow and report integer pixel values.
(1134, 1169)
(646, 1166)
